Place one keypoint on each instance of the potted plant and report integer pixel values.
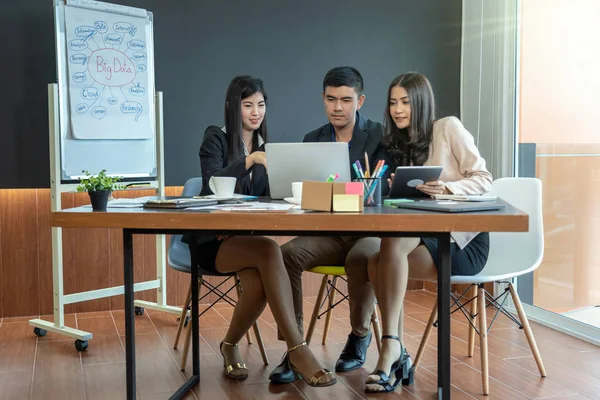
(99, 188)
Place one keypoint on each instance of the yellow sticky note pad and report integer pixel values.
(347, 203)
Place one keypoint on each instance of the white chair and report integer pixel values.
(511, 255)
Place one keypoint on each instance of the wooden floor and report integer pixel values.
(51, 368)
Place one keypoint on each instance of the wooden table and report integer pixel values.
(376, 221)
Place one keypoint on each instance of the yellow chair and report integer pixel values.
(328, 290)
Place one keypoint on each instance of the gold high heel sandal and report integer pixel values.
(233, 367)
(315, 380)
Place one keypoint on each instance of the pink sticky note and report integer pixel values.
(355, 188)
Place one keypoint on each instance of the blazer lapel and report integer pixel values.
(325, 133)
(359, 140)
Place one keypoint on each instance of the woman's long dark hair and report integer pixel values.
(413, 143)
(240, 88)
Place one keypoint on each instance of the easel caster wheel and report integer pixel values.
(81, 345)
(39, 332)
(139, 310)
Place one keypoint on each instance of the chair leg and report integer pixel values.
(183, 316)
(313, 318)
(238, 289)
(527, 330)
(426, 334)
(473, 321)
(188, 336)
(186, 346)
(376, 328)
(330, 310)
(483, 347)
(261, 345)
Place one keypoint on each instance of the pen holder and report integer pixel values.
(372, 191)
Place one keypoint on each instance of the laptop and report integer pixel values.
(297, 162)
(452, 206)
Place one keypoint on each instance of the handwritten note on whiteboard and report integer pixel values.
(110, 88)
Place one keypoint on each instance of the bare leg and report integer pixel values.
(360, 290)
(250, 305)
(392, 273)
(264, 255)
(421, 268)
(373, 269)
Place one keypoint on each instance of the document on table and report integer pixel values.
(235, 196)
(246, 207)
(127, 202)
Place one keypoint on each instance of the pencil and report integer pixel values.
(368, 174)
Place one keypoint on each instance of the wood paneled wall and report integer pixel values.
(92, 258)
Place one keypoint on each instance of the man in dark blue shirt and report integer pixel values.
(343, 97)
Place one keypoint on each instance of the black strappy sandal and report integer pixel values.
(401, 371)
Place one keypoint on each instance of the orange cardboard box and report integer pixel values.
(321, 196)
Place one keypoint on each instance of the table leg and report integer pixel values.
(129, 313)
(195, 318)
(443, 290)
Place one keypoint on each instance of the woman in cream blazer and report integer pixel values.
(412, 136)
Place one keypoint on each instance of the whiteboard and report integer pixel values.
(105, 64)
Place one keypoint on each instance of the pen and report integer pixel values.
(332, 177)
(356, 171)
(371, 188)
(362, 174)
(377, 168)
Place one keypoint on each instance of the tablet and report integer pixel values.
(407, 178)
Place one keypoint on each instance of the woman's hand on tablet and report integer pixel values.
(391, 180)
(433, 188)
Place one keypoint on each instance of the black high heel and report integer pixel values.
(401, 371)
(407, 371)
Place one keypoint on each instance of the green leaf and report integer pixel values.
(100, 182)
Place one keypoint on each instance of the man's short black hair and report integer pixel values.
(344, 76)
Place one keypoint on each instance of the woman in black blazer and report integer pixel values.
(237, 150)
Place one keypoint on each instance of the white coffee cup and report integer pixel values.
(297, 190)
(222, 186)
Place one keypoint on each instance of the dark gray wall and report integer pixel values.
(200, 45)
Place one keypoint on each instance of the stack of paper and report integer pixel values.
(183, 202)
(465, 197)
(248, 207)
(127, 203)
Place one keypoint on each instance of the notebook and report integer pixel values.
(180, 202)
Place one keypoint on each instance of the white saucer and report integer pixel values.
(292, 200)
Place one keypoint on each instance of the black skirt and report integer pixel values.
(468, 261)
(207, 255)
